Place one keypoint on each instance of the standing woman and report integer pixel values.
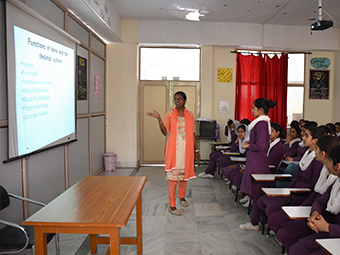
(257, 162)
(181, 149)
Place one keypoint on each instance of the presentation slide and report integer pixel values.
(45, 91)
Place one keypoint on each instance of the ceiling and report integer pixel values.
(282, 12)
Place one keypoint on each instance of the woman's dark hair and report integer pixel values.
(326, 143)
(182, 94)
(242, 127)
(278, 128)
(313, 123)
(264, 104)
(337, 123)
(297, 129)
(331, 127)
(324, 129)
(335, 155)
(245, 121)
(294, 123)
(230, 122)
(315, 132)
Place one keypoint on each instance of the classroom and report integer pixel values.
(111, 115)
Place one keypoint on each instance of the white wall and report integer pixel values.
(237, 35)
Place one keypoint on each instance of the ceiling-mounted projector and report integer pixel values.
(321, 25)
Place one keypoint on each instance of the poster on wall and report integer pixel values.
(82, 78)
(319, 84)
(224, 75)
(96, 85)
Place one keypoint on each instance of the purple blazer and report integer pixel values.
(300, 152)
(292, 151)
(307, 178)
(257, 161)
(320, 205)
(276, 155)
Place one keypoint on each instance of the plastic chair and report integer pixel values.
(15, 238)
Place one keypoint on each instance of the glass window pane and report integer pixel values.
(294, 103)
(296, 64)
(167, 63)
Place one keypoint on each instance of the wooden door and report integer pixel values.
(158, 95)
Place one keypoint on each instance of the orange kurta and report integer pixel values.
(170, 123)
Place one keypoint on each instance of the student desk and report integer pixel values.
(95, 205)
(230, 153)
(297, 212)
(330, 245)
(269, 177)
(218, 146)
(284, 192)
(238, 159)
(290, 162)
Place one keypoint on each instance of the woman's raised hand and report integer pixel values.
(153, 114)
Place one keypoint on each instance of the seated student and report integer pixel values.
(292, 143)
(301, 147)
(279, 219)
(325, 217)
(306, 177)
(331, 127)
(218, 156)
(274, 155)
(243, 135)
(337, 129)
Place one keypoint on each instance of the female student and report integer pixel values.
(325, 216)
(306, 176)
(292, 143)
(243, 135)
(274, 155)
(279, 222)
(257, 149)
(180, 149)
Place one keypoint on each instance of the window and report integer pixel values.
(295, 90)
(170, 64)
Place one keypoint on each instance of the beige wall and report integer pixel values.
(317, 109)
(122, 103)
(336, 87)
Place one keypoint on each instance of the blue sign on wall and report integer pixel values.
(320, 63)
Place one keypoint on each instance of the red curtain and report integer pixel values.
(261, 76)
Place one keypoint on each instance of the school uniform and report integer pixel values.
(330, 213)
(276, 153)
(303, 179)
(274, 156)
(257, 161)
(220, 158)
(301, 150)
(290, 149)
(279, 219)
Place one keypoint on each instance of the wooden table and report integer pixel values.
(330, 245)
(95, 205)
(297, 212)
(269, 177)
(284, 192)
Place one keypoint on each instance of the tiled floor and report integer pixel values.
(208, 226)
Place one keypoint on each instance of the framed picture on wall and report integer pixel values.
(319, 84)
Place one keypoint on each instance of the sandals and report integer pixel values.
(183, 202)
(174, 211)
